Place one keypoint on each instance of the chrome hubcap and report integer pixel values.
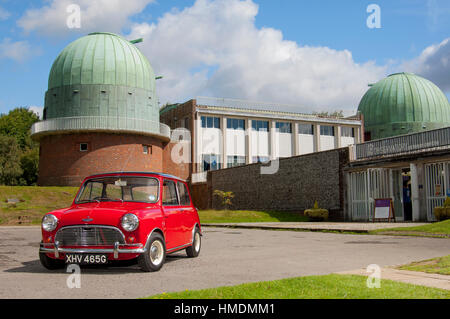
(156, 252)
(197, 242)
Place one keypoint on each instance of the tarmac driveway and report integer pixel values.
(228, 257)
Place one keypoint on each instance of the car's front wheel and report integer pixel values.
(50, 263)
(194, 249)
(153, 259)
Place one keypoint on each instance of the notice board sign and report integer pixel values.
(383, 209)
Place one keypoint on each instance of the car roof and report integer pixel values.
(140, 173)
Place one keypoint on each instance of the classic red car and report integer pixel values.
(122, 216)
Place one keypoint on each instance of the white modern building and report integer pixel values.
(229, 132)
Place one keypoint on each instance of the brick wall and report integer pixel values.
(62, 163)
(299, 181)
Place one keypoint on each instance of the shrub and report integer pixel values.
(225, 197)
(443, 212)
(316, 213)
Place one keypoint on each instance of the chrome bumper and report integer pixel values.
(53, 248)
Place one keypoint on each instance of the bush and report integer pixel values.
(443, 212)
(316, 213)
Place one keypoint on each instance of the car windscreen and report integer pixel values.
(120, 188)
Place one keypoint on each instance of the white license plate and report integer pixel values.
(86, 259)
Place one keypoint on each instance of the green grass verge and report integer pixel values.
(314, 287)
(440, 265)
(33, 203)
(438, 229)
(248, 216)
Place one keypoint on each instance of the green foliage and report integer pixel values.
(336, 114)
(29, 162)
(316, 213)
(10, 170)
(17, 124)
(225, 197)
(22, 157)
(443, 212)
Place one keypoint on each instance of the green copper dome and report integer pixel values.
(403, 103)
(103, 75)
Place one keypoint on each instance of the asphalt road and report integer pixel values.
(228, 257)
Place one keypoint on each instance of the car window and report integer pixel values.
(169, 193)
(184, 194)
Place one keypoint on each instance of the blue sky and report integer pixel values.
(299, 30)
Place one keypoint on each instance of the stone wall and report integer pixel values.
(299, 182)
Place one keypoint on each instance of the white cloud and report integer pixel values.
(18, 51)
(434, 64)
(4, 14)
(214, 48)
(38, 110)
(96, 15)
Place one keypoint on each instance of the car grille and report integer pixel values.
(89, 236)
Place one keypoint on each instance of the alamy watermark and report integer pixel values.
(374, 19)
(73, 21)
(74, 279)
(374, 279)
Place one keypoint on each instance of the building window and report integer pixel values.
(348, 131)
(211, 162)
(260, 159)
(306, 129)
(327, 130)
(235, 124)
(284, 127)
(210, 122)
(147, 149)
(260, 126)
(186, 123)
(83, 147)
(235, 160)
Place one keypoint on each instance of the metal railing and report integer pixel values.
(409, 143)
(103, 123)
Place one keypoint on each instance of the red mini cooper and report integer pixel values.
(122, 216)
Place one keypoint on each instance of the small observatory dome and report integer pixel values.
(403, 103)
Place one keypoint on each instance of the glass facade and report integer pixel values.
(235, 160)
(347, 131)
(235, 124)
(211, 162)
(258, 125)
(305, 129)
(210, 122)
(284, 127)
(327, 130)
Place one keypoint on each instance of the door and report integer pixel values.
(397, 193)
(437, 182)
(187, 212)
(175, 234)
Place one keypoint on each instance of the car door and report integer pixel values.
(187, 211)
(175, 233)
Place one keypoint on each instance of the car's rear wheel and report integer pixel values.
(155, 256)
(194, 249)
(50, 263)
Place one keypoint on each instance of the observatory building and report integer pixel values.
(101, 112)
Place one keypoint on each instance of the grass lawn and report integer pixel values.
(33, 203)
(313, 287)
(438, 229)
(248, 216)
(440, 265)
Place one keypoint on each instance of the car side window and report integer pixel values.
(184, 194)
(169, 193)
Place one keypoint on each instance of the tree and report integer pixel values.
(29, 162)
(17, 124)
(10, 170)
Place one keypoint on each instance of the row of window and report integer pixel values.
(282, 127)
(212, 162)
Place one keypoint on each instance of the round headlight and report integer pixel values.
(49, 222)
(130, 222)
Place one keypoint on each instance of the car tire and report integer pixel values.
(50, 263)
(155, 256)
(194, 250)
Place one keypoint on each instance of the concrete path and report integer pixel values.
(411, 277)
(316, 226)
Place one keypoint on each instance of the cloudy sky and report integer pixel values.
(319, 55)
